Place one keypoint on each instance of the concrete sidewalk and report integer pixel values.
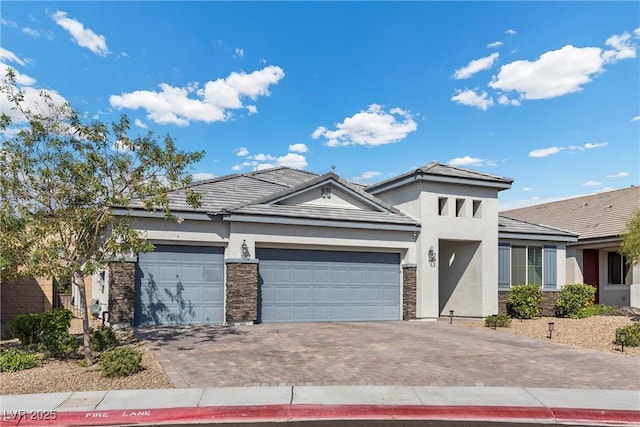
(306, 403)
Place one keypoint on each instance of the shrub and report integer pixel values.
(31, 328)
(58, 344)
(525, 300)
(502, 320)
(103, 338)
(120, 362)
(574, 299)
(632, 338)
(596, 310)
(15, 359)
(27, 328)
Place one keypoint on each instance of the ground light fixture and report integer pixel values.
(450, 316)
(494, 321)
(623, 338)
(551, 325)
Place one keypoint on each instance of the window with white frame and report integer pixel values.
(527, 265)
(619, 272)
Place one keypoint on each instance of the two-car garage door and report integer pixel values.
(185, 285)
(312, 286)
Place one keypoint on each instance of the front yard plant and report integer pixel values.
(120, 362)
(632, 335)
(48, 331)
(103, 338)
(525, 301)
(501, 320)
(15, 359)
(574, 300)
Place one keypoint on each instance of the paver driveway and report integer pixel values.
(379, 353)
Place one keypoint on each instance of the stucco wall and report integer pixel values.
(420, 201)
(460, 273)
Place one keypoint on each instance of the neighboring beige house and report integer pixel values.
(598, 220)
(28, 295)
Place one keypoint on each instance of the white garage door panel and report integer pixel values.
(313, 286)
(180, 285)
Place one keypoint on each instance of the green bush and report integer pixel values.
(502, 320)
(58, 344)
(15, 359)
(120, 362)
(27, 328)
(31, 328)
(632, 338)
(525, 301)
(596, 310)
(574, 299)
(103, 338)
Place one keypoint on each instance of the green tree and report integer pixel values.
(61, 177)
(630, 246)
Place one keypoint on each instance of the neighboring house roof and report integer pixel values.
(438, 172)
(598, 216)
(509, 228)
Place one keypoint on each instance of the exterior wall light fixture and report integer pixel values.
(245, 250)
(431, 256)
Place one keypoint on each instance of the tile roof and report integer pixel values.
(443, 172)
(510, 226)
(250, 194)
(601, 215)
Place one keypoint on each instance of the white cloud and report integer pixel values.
(470, 98)
(239, 52)
(636, 119)
(511, 32)
(476, 66)
(202, 176)
(504, 100)
(527, 189)
(365, 176)
(241, 152)
(139, 123)
(544, 152)
(32, 99)
(618, 175)
(554, 73)
(298, 148)
(371, 127)
(84, 37)
(592, 184)
(590, 145)
(494, 44)
(10, 56)
(292, 160)
(623, 47)
(174, 105)
(466, 161)
(262, 157)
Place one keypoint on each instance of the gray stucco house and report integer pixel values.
(286, 245)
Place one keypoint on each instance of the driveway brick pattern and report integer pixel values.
(379, 353)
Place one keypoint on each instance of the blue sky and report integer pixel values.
(546, 93)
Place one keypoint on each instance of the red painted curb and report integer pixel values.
(271, 413)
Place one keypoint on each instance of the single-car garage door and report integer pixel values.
(180, 285)
(316, 286)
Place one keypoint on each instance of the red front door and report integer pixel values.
(590, 270)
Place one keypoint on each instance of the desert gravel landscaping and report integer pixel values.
(595, 333)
